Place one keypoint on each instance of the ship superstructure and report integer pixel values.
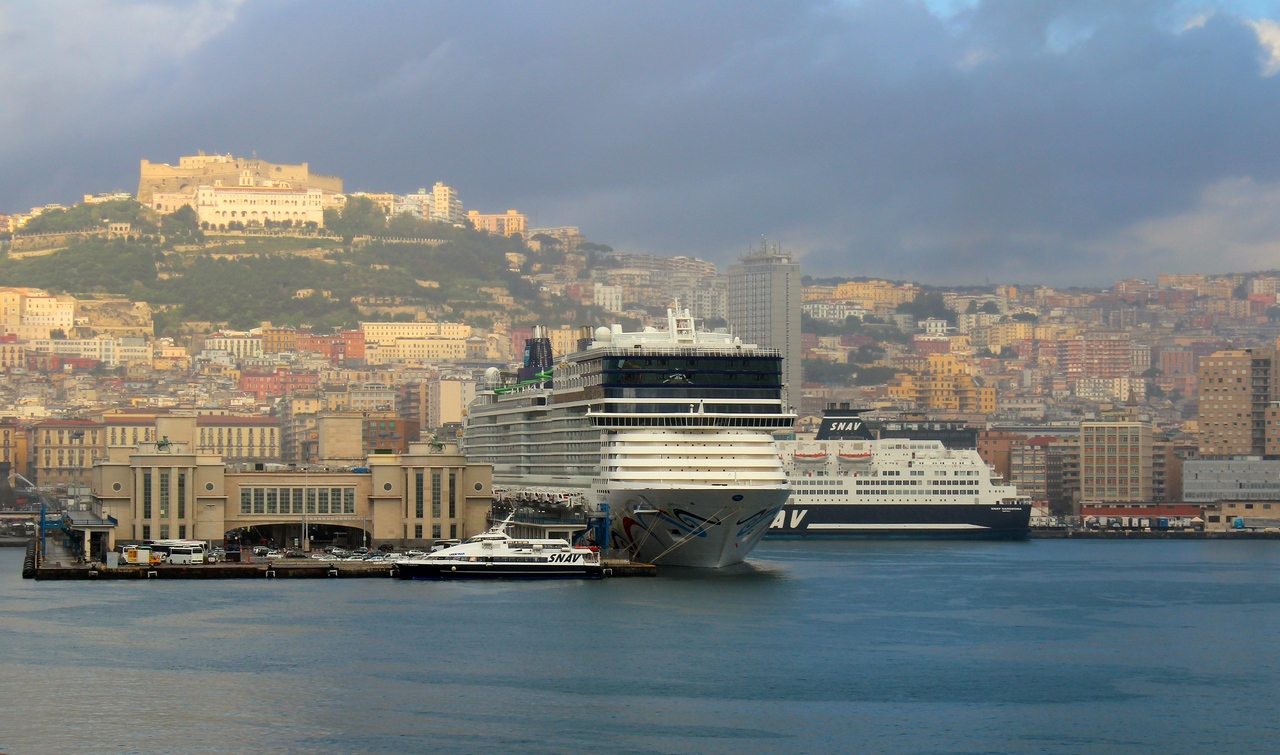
(668, 431)
(851, 485)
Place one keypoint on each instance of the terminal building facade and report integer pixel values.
(168, 489)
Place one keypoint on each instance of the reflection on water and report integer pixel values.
(1047, 646)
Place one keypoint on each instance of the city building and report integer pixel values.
(1029, 472)
(1115, 462)
(255, 205)
(15, 446)
(240, 345)
(763, 308)
(608, 297)
(236, 439)
(1244, 480)
(996, 449)
(447, 401)
(64, 450)
(1062, 477)
(387, 333)
(406, 500)
(1235, 390)
(510, 223)
(943, 386)
(446, 207)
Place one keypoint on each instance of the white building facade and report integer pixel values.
(219, 205)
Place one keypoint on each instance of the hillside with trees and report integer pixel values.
(85, 217)
(239, 280)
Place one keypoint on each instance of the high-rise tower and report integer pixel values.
(1236, 388)
(764, 308)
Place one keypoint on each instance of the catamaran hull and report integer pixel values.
(698, 527)
(480, 570)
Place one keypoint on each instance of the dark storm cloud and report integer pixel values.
(1065, 141)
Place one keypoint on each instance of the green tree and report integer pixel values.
(828, 373)
(183, 222)
(927, 305)
(873, 375)
(360, 216)
(83, 217)
(850, 326)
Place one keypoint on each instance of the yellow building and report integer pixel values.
(276, 340)
(416, 350)
(1006, 333)
(876, 292)
(511, 223)
(817, 293)
(12, 355)
(386, 333)
(944, 385)
(15, 446)
(385, 202)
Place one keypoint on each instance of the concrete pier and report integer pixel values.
(322, 570)
(274, 570)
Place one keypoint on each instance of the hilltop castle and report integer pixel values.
(226, 170)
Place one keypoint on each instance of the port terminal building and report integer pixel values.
(167, 488)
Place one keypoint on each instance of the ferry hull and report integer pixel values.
(705, 528)
(480, 570)
(1002, 521)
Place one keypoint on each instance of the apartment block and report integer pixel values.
(1115, 462)
(1235, 389)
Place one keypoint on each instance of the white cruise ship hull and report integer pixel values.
(697, 527)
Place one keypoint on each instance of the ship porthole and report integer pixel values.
(737, 497)
(386, 486)
(115, 486)
(479, 486)
(208, 486)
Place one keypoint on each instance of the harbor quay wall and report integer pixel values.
(1063, 534)
(265, 570)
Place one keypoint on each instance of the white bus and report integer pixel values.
(180, 552)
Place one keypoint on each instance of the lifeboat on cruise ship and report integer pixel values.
(820, 456)
(855, 457)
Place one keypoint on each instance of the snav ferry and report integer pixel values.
(845, 483)
(497, 555)
(669, 432)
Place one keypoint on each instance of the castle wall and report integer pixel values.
(205, 170)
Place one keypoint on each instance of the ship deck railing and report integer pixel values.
(678, 351)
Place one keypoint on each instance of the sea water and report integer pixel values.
(1055, 646)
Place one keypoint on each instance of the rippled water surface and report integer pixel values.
(1045, 646)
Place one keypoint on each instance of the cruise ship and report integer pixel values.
(667, 434)
(846, 483)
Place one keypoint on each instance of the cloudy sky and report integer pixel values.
(945, 141)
